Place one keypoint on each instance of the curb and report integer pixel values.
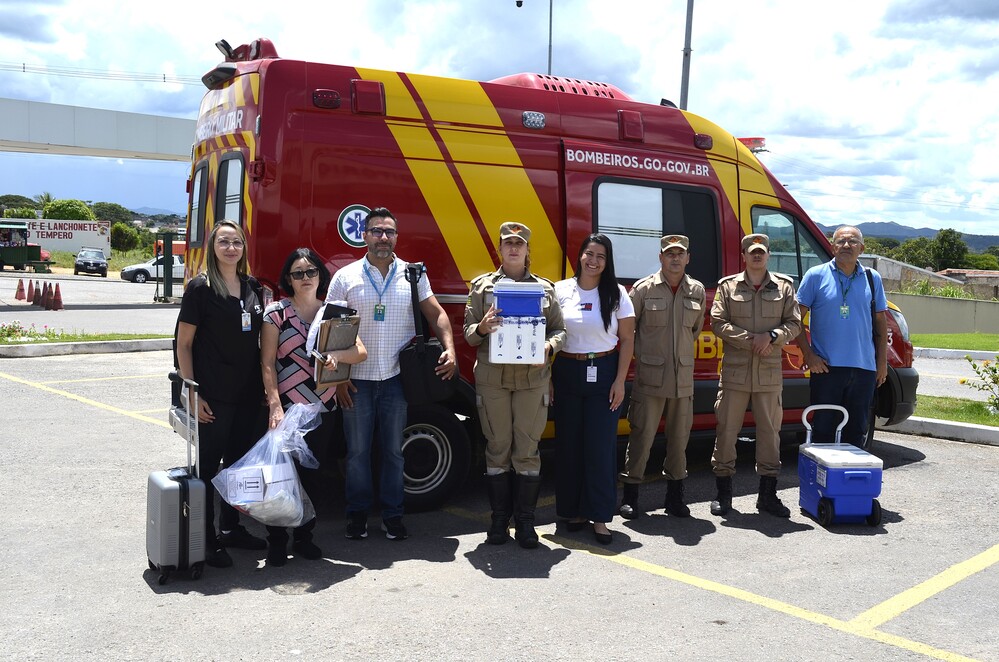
(930, 353)
(93, 347)
(932, 427)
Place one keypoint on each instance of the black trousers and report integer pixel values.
(236, 428)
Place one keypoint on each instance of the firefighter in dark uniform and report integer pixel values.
(754, 314)
(512, 400)
(669, 314)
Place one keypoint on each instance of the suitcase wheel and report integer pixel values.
(196, 570)
(874, 518)
(162, 579)
(826, 512)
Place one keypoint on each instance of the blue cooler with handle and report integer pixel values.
(838, 482)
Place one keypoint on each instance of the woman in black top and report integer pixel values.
(218, 346)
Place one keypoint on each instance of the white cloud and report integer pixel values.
(881, 112)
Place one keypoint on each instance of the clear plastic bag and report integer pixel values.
(264, 483)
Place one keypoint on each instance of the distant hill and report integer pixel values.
(977, 243)
(152, 211)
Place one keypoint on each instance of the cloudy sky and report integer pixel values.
(873, 110)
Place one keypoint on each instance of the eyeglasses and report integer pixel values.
(847, 242)
(225, 243)
(377, 233)
(308, 273)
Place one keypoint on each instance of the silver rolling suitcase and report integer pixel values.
(175, 500)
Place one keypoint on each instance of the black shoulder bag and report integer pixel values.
(420, 357)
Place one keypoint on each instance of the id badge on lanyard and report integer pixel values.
(245, 320)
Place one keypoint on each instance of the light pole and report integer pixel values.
(520, 3)
(685, 77)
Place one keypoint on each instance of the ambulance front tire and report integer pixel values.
(436, 452)
(826, 512)
(874, 519)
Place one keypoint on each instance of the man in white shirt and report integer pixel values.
(376, 287)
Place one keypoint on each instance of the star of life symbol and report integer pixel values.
(350, 225)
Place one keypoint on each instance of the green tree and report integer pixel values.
(878, 246)
(23, 212)
(949, 250)
(68, 210)
(918, 252)
(993, 250)
(11, 201)
(123, 237)
(112, 211)
(43, 199)
(983, 261)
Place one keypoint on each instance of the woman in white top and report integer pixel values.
(588, 379)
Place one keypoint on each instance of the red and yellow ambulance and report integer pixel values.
(297, 152)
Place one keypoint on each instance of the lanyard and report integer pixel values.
(388, 281)
(849, 282)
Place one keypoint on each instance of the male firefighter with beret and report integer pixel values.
(754, 314)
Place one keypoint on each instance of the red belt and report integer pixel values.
(586, 356)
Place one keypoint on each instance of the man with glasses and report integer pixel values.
(376, 287)
(848, 352)
(669, 315)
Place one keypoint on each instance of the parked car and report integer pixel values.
(91, 261)
(154, 270)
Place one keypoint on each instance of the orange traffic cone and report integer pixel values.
(31, 292)
(37, 299)
(19, 295)
(57, 299)
(46, 296)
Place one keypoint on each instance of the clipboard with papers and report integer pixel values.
(337, 330)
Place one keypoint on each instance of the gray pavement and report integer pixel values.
(81, 433)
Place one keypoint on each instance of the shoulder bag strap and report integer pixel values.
(413, 272)
(874, 315)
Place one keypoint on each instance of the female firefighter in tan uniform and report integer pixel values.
(512, 400)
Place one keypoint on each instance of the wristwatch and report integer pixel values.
(773, 336)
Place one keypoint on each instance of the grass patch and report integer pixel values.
(980, 342)
(955, 409)
(15, 333)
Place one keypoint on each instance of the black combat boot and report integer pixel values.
(723, 502)
(768, 501)
(501, 502)
(629, 501)
(674, 499)
(528, 488)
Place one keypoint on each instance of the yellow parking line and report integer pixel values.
(892, 607)
(849, 627)
(858, 626)
(158, 375)
(86, 401)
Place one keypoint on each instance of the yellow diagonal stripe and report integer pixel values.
(455, 101)
(506, 194)
(906, 600)
(453, 217)
(415, 141)
(398, 101)
(86, 401)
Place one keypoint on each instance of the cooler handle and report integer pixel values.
(808, 425)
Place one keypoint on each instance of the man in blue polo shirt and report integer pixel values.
(848, 353)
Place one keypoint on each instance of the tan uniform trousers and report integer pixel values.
(730, 410)
(512, 423)
(644, 415)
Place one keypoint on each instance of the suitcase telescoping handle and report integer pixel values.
(193, 438)
(808, 425)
